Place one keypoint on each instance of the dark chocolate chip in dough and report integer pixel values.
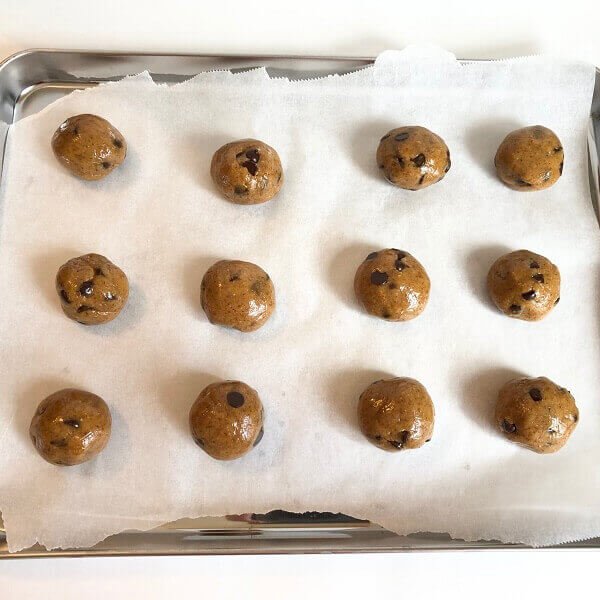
(372, 255)
(240, 190)
(400, 266)
(259, 437)
(575, 418)
(558, 149)
(421, 179)
(514, 309)
(393, 286)
(539, 277)
(385, 314)
(76, 130)
(509, 427)
(235, 399)
(560, 167)
(535, 394)
(253, 154)
(106, 165)
(395, 443)
(400, 137)
(118, 143)
(84, 308)
(198, 441)
(428, 440)
(530, 295)
(233, 277)
(72, 423)
(522, 183)
(557, 301)
(86, 288)
(400, 161)
(381, 166)
(251, 166)
(64, 296)
(418, 160)
(534, 264)
(378, 278)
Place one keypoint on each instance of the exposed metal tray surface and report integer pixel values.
(31, 80)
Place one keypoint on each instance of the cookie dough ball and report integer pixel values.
(237, 294)
(392, 284)
(89, 146)
(536, 413)
(524, 285)
(413, 157)
(530, 159)
(396, 414)
(226, 420)
(70, 427)
(247, 171)
(92, 290)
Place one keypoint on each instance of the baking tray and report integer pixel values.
(31, 80)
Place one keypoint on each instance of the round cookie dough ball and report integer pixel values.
(247, 171)
(396, 414)
(89, 146)
(413, 157)
(70, 427)
(92, 290)
(524, 285)
(237, 294)
(530, 159)
(392, 284)
(536, 413)
(226, 420)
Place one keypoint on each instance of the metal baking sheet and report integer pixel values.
(31, 80)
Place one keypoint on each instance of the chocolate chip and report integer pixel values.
(72, 423)
(401, 254)
(539, 277)
(560, 168)
(400, 266)
(109, 296)
(509, 427)
(400, 137)
(199, 441)
(64, 296)
(530, 295)
(253, 154)
(421, 179)
(251, 166)
(395, 443)
(558, 149)
(404, 436)
(428, 440)
(234, 277)
(118, 143)
(240, 189)
(372, 256)
(534, 264)
(385, 314)
(76, 130)
(378, 278)
(105, 164)
(385, 137)
(61, 443)
(86, 288)
(418, 160)
(392, 286)
(279, 176)
(535, 394)
(522, 182)
(400, 160)
(84, 308)
(98, 271)
(259, 437)
(575, 418)
(257, 287)
(378, 437)
(557, 301)
(514, 309)
(381, 166)
(449, 163)
(235, 399)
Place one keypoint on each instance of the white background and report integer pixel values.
(353, 28)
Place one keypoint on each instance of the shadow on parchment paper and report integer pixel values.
(477, 266)
(342, 268)
(483, 138)
(365, 141)
(343, 390)
(480, 391)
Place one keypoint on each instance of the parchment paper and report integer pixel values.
(159, 218)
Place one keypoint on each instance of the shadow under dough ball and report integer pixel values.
(524, 285)
(226, 420)
(396, 414)
(70, 427)
(530, 159)
(89, 146)
(237, 294)
(392, 284)
(92, 290)
(536, 413)
(247, 171)
(413, 157)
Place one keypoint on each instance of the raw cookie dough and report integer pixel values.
(392, 284)
(530, 159)
(524, 285)
(413, 157)
(89, 146)
(92, 290)
(536, 413)
(396, 414)
(237, 294)
(247, 171)
(70, 427)
(226, 420)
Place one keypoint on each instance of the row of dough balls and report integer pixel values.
(249, 171)
(390, 284)
(73, 426)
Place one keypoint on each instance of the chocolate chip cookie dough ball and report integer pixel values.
(524, 285)
(89, 146)
(70, 427)
(247, 171)
(530, 159)
(396, 414)
(92, 290)
(536, 413)
(392, 284)
(237, 294)
(413, 157)
(226, 420)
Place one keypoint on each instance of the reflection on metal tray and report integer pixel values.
(31, 80)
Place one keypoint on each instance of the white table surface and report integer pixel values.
(470, 29)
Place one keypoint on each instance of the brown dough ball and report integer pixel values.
(226, 420)
(392, 284)
(536, 413)
(237, 294)
(70, 427)
(530, 159)
(524, 285)
(247, 171)
(89, 146)
(92, 290)
(413, 157)
(396, 414)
